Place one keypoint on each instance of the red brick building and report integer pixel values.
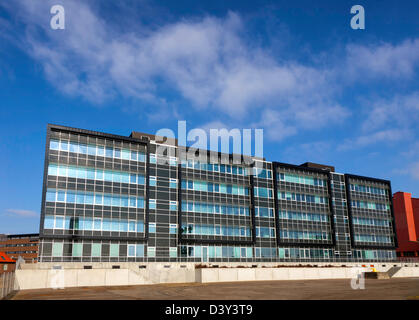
(6, 264)
(23, 245)
(406, 212)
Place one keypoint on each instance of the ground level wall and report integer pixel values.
(50, 275)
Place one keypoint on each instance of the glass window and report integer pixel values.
(173, 252)
(74, 147)
(153, 181)
(131, 226)
(151, 252)
(173, 205)
(152, 227)
(173, 229)
(140, 226)
(57, 249)
(97, 224)
(114, 250)
(100, 151)
(59, 222)
(77, 249)
(54, 144)
(51, 195)
(96, 249)
(49, 222)
(152, 203)
(131, 250)
(139, 250)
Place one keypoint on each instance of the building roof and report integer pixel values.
(5, 259)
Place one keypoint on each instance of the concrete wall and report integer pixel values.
(269, 274)
(48, 278)
(43, 275)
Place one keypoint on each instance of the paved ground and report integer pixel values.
(405, 288)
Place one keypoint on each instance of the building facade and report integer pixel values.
(406, 212)
(6, 263)
(109, 198)
(20, 245)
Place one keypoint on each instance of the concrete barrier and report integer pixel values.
(269, 274)
(39, 277)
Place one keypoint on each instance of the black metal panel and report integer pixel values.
(277, 165)
(349, 206)
(181, 239)
(50, 128)
(332, 208)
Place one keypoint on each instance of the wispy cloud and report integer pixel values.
(21, 213)
(383, 136)
(209, 63)
(205, 61)
(382, 60)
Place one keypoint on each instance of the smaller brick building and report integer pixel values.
(23, 245)
(406, 212)
(6, 264)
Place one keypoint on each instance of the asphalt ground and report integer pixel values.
(396, 288)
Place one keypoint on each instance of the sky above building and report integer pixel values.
(321, 91)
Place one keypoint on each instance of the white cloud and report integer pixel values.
(22, 213)
(414, 170)
(411, 170)
(383, 136)
(208, 62)
(382, 60)
(205, 60)
(400, 110)
(275, 125)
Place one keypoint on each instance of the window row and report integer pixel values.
(369, 205)
(299, 253)
(215, 252)
(368, 189)
(222, 168)
(303, 216)
(202, 207)
(153, 182)
(372, 238)
(96, 198)
(295, 178)
(265, 232)
(96, 150)
(371, 222)
(304, 235)
(152, 228)
(95, 174)
(215, 230)
(301, 197)
(264, 212)
(262, 173)
(92, 224)
(214, 187)
(98, 250)
(171, 161)
(263, 192)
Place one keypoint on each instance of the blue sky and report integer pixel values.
(321, 91)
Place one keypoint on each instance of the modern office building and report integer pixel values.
(110, 198)
(406, 212)
(20, 245)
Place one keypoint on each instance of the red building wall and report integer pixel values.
(406, 212)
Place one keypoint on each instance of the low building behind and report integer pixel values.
(406, 211)
(6, 263)
(23, 245)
